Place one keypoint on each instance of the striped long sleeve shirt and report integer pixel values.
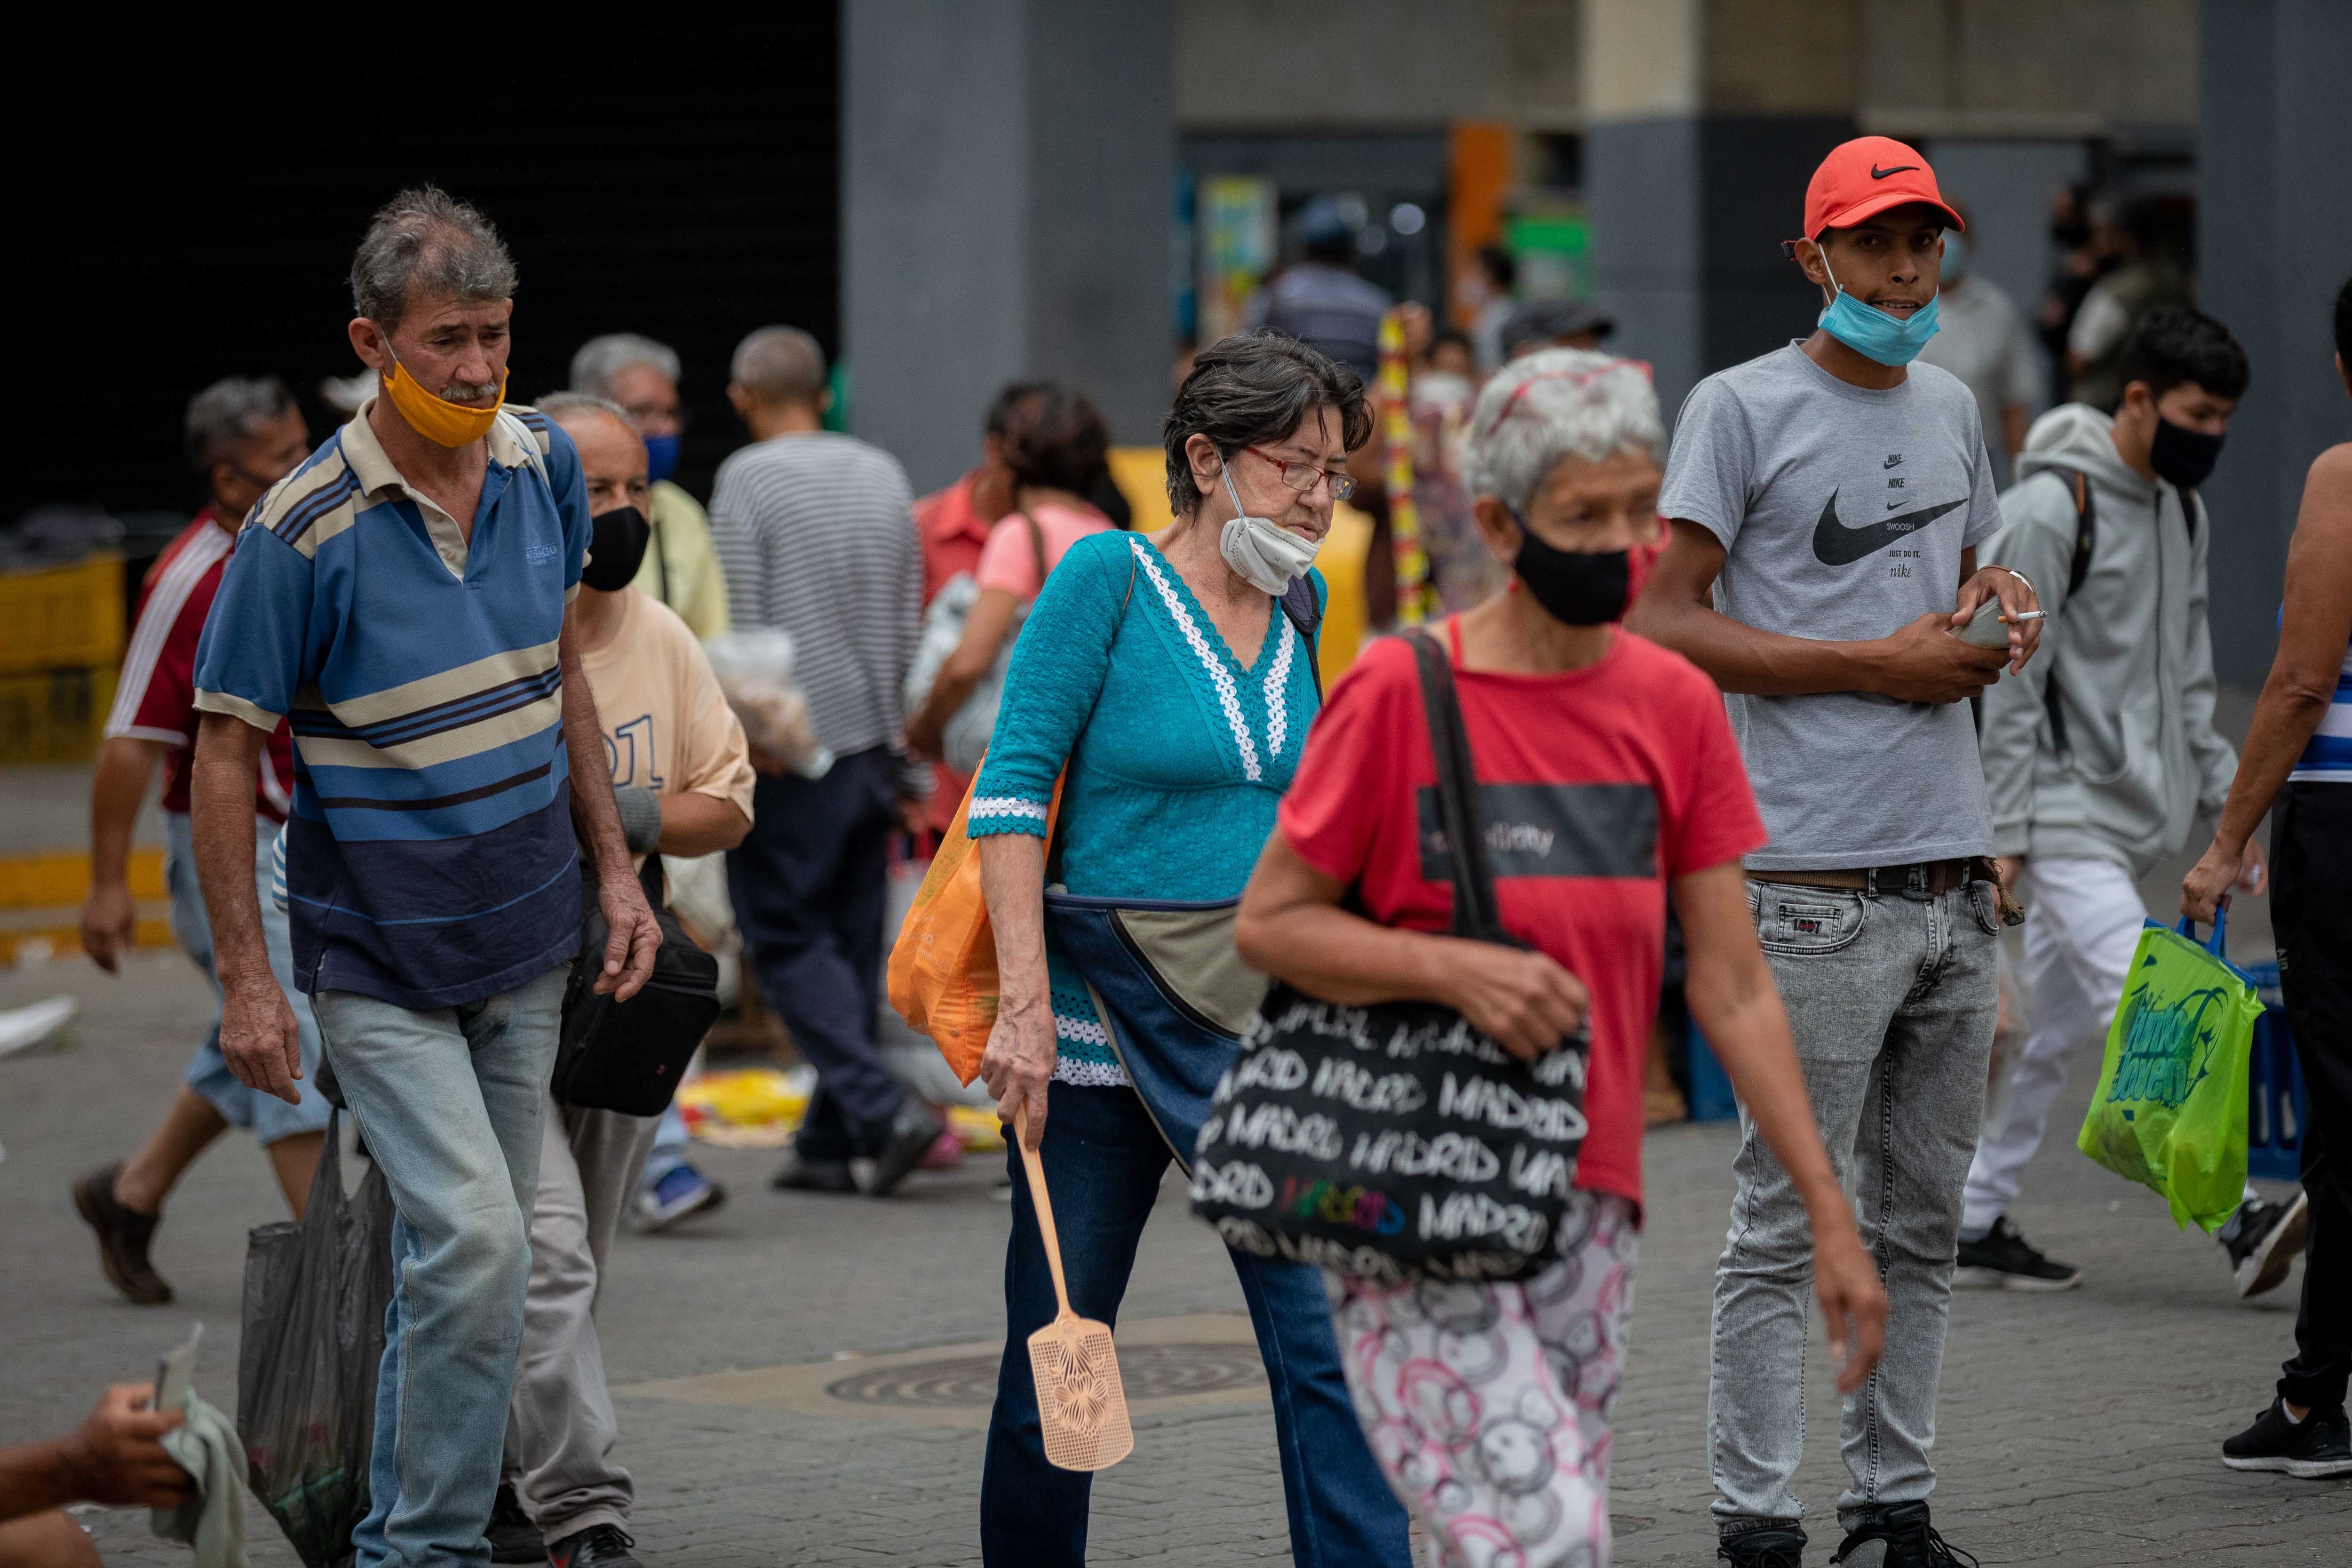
(816, 535)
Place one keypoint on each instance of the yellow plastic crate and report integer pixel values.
(54, 715)
(62, 616)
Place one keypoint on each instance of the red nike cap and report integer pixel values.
(1868, 175)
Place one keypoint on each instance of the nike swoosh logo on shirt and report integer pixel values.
(1837, 545)
(1878, 173)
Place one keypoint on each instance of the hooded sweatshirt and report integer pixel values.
(2129, 651)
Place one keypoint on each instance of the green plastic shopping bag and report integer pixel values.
(2170, 1109)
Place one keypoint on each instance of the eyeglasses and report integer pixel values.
(1342, 486)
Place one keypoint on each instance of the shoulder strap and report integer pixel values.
(1475, 914)
(528, 438)
(2078, 569)
(1037, 548)
(1298, 601)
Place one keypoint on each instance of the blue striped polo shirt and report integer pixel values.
(430, 855)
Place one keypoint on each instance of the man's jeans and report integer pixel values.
(448, 1101)
(1892, 998)
(1103, 1158)
(561, 1434)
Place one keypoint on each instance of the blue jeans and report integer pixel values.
(1103, 1160)
(449, 1102)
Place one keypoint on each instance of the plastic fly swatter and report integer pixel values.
(1081, 1403)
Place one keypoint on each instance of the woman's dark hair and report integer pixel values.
(2175, 346)
(2343, 323)
(1253, 389)
(1052, 437)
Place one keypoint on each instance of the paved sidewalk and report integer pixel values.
(2081, 1428)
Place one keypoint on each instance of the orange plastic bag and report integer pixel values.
(942, 976)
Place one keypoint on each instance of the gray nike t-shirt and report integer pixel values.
(1843, 513)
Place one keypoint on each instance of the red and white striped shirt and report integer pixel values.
(156, 698)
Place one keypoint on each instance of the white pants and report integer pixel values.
(2083, 922)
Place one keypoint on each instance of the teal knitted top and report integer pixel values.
(1178, 753)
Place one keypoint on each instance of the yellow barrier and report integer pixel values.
(62, 616)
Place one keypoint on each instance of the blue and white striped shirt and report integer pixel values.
(430, 854)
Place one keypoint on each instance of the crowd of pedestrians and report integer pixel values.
(1720, 678)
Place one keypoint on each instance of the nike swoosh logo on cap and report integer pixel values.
(1835, 544)
(1878, 173)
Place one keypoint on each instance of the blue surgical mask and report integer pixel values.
(661, 457)
(1872, 332)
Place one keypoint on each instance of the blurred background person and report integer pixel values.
(1541, 324)
(682, 780)
(2136, 277)
(2102, 754)
(642, 377)
(1982, 339)
(1053, 442)
(1320, 298)
(815, 532)
(243, 437)
(1491, 290)
(1451, 353)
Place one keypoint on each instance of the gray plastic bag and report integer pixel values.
(315, 1294)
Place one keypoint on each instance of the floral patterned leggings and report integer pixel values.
(1488, 1406)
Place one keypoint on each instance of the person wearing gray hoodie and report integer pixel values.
(2098, 761)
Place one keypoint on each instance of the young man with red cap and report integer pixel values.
(1826, 501)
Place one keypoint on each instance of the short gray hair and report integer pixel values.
(1255, 387)
(224, 413)
(782, 364)
(556, 405)
(1544, 409)
(426, 241)
(601, 359)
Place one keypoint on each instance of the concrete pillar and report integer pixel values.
(1704, 119)
(2274, 244)
(1008, 170)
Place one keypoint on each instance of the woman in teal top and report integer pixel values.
(1164, 675)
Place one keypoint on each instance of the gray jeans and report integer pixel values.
(559, 1427)
(1892, 998)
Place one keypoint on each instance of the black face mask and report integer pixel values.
(1575, 587)
(617, 549)
(2182, 455)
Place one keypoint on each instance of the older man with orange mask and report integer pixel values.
(439, 716)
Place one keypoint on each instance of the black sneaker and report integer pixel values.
(123, 1238)
(1763, 1546)
(913, 1132)
(2004, 1260)
(1911, 1540)
(513, 1537)
(598, 1546)
(799, 1175)
(2317, 1446)
(2261, 1239)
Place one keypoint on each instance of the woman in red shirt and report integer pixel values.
(1609, 779)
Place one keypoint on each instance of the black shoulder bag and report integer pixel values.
(1396, 1141)
(629, 1056)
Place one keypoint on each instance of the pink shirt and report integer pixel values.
(1009, 561)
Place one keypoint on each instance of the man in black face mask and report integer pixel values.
(682, 778)
(2098, 760)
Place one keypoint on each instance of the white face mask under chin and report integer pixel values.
(1266, 554)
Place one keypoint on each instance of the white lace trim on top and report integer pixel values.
(1005, 805)
(1090, 1075)
(1084, 1031)
(1228, 694)
(1277, 685)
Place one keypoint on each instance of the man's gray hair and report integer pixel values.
(226, 413)
(1559, 404)
(425, 244)
(601, 359)
(557, 404)
(779, 365)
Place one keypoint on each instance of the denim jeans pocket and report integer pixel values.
(1984, 903)
(1800, 920)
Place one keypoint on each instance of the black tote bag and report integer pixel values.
(1396, 1141)
(630, 1055)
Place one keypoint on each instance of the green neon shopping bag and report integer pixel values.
(2170, 1109)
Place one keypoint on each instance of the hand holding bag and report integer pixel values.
(630, 1055)
(1397, 1140)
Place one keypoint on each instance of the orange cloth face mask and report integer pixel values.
(437, 418)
